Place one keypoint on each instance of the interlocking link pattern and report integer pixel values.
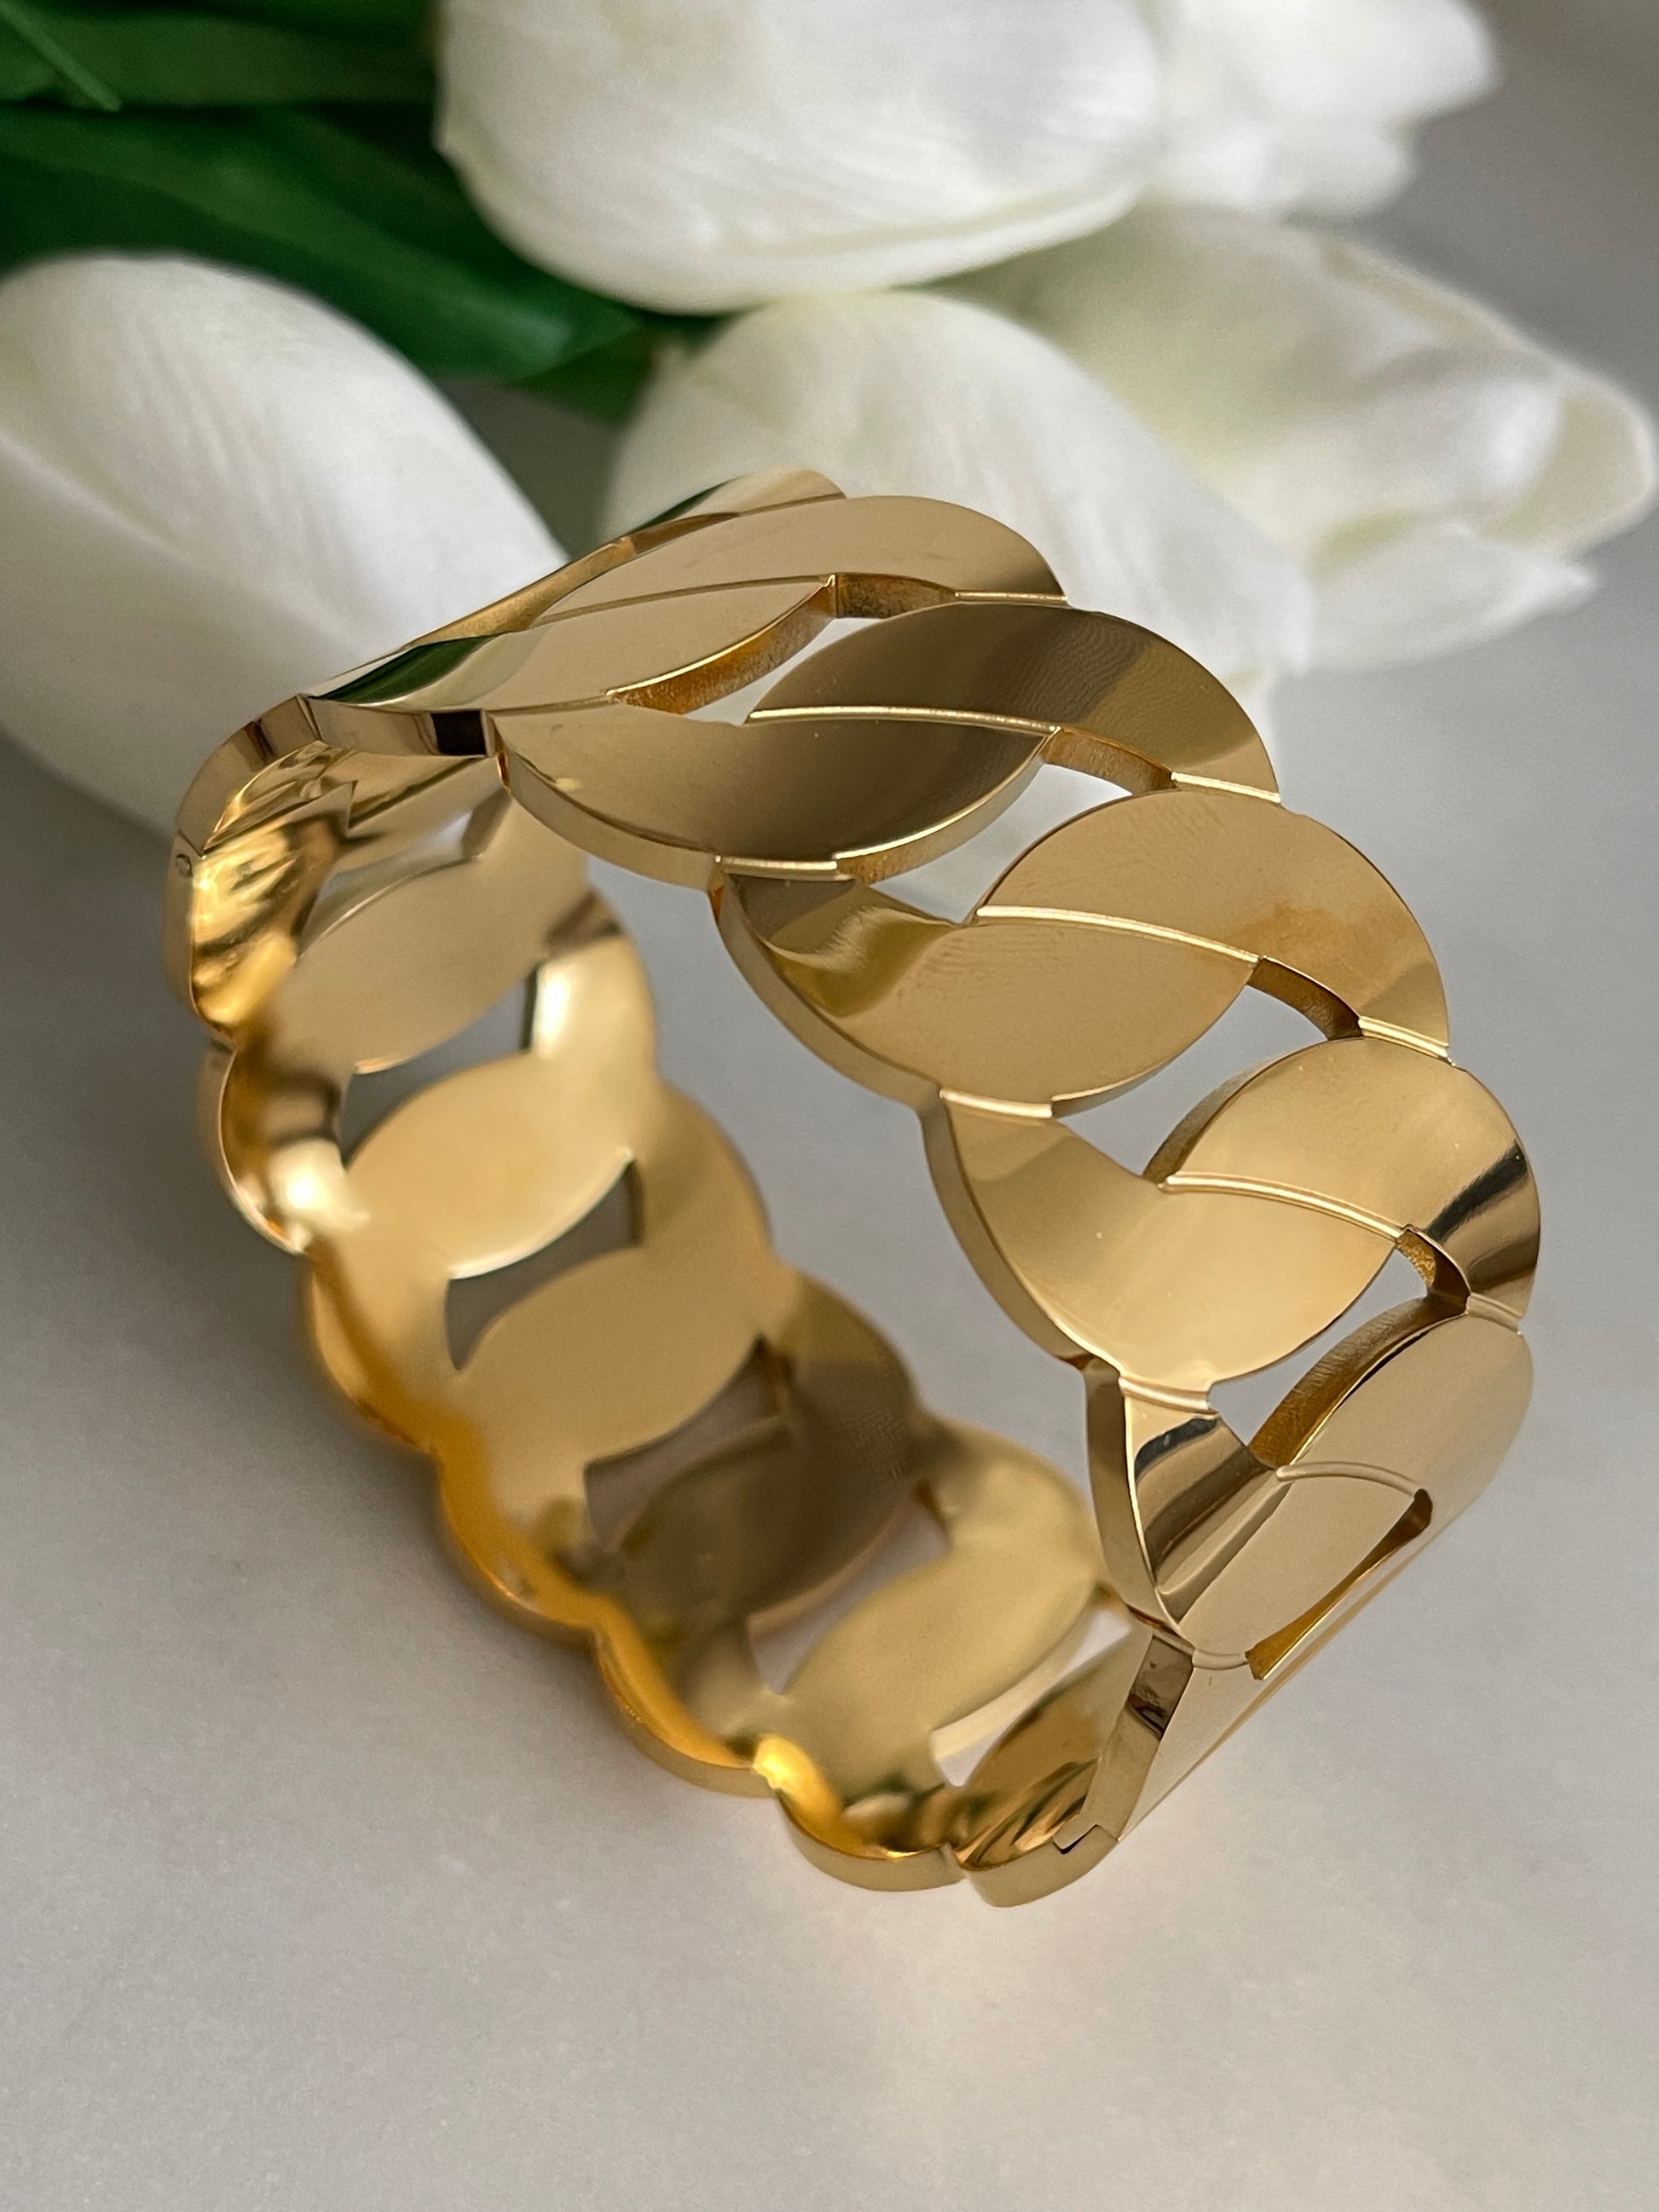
(669, 1442)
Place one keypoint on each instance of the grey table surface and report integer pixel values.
(321, 1886)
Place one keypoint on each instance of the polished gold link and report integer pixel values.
(1107, 698)
(668, 1443)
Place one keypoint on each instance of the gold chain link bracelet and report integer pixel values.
(674, 1441)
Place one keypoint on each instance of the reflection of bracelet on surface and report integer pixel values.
(673, 1440)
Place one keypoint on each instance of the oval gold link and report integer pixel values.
(678, 653)
(1334, 937)
(1381, 1133)
(881, 555)
(1111, 698)
(677, 799)
(1010, 1009)
(1179, 1288)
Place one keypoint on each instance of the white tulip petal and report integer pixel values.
(216, 491)
(1603, 473)
(1405, 444)
(1275, 105)
(910, 392)
(1226, 158)
(704, 154)
(1436, 587)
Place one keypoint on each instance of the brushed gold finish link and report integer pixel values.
(669, 1444)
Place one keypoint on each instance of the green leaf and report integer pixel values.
(31, 36)
(359, 210)
(166, 58)
(369, 19)
(24, 70)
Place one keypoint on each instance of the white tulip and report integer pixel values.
(214, 491)
(704, 154)
(1435, 473)
(1275, 105)
(912, 392)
